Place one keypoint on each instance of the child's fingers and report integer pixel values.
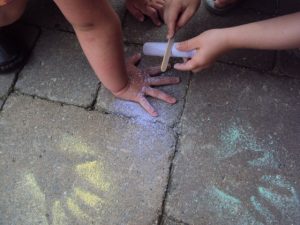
(188, 66)
(136, 13)
(152, 71)
(153, 14)
(184, 18)
(157, 81)
(171, 15)
(135, 58)
(146, 105)
(155, 93)
(188, 45)
(159, 4)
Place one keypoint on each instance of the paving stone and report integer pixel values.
(169, 221)
(45, 13)
(64, 165)
(168, 114)
(136, 32)
(58, 70)
(289, 63)
(238, 158)
(6, 82)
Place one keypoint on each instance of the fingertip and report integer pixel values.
(173, 101)
(170, 31)
(158, 23)
(177, 66)
(154, 114)
(138, 56)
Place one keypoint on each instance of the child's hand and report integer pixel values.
(209, 46)
(140, 82)
(151, 8)
(178, 12)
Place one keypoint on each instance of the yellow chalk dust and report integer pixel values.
(93, 173)
(58, 214)
(76, 146)
(75, 209)
(88, 198)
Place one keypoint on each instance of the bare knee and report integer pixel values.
(12, 12)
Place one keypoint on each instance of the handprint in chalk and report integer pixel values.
(84, 189)
(250, 188)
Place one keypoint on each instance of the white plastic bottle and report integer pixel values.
(159, 48)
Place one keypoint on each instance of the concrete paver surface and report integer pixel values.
(226, 153)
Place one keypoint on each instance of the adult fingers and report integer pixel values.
(134, 59)
(155, 93)
(157, 81)
(146, 105)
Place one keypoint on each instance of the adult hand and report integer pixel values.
(151, 8)
(178, 12)
(208, 45)
(140, 82)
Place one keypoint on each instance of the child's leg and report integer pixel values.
(11, 12)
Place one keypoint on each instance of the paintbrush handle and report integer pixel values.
(159, 48)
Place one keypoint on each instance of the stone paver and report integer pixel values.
(238, 158)
(46, 14)
(71, 166)
(168, 221)
(136, 32)
(59, 71)
(237, 149)
(169, 114)
(6, 82)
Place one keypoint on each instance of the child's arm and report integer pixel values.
(99, 32)
(277, 33)
(178, 12)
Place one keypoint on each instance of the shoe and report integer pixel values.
(210, 6)
(12, 55)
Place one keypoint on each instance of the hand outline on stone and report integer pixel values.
(140, 84)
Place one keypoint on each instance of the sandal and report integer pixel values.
(12, 56)
(210, 6)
